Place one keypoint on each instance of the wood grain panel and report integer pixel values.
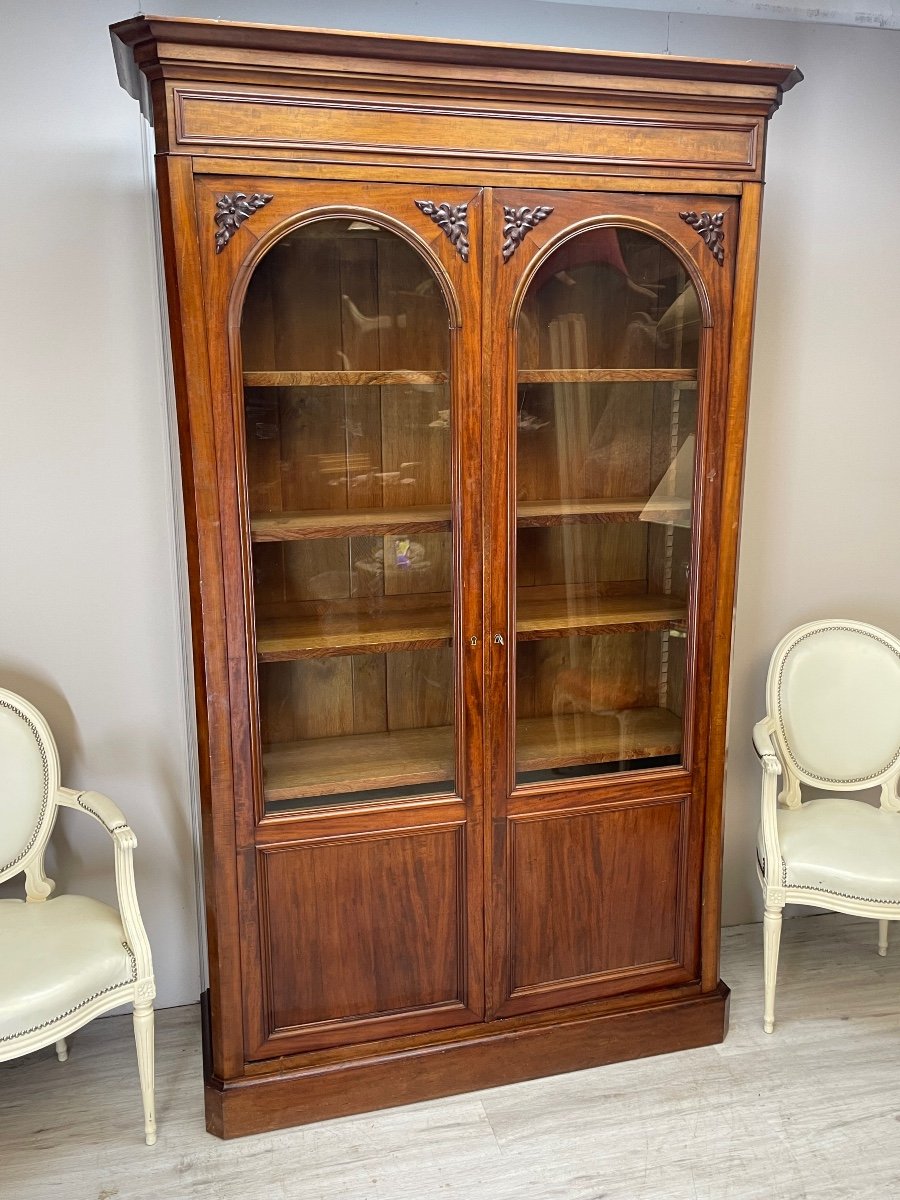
(457, 133)
(413, 333)
(420, 688)
(582, 675)
(583, 441)
(363, 927)
(580, 552)
(584, 903)
(262, 416)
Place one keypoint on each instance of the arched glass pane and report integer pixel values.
(608, 342)
(348, 421)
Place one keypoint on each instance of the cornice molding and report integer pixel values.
(146, 43)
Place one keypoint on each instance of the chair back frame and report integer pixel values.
(827, 663)
(28, 756)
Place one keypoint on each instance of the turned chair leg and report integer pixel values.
(62, 1050)
(771, 943)
(143, 1037)
(882, 938)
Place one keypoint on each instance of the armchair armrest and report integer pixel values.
(765, 747)
(111, 817)
(771, 765)
(102, 809)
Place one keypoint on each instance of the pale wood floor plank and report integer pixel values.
(809, 1113)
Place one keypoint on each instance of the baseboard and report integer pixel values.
(495, 1057)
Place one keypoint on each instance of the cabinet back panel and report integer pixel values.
(359, 693)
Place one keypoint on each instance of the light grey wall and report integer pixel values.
(90, 618)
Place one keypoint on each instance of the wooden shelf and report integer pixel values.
(359, 763)
(576, 739)
(345, 630)
(353, 631)
(263, 379)
(364, 522)
(411, 757)
(589, 615)
(294, 526)
(532, 513)
(268, 379)
(608, 375)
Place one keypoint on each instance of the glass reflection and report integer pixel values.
(609, 338)
(348, 419)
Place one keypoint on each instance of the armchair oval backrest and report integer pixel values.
(834, 697)
(29, 780)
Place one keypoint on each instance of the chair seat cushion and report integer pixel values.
(55, 955)
(842, 846)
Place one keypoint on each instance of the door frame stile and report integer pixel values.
(738, 389)
(489, 458)
(190, 357)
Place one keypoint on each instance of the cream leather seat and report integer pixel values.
(833, 723)
(66, 960)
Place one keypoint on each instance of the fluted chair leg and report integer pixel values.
(62, 1050)
(771, 944)
(883, 937)
(143, 1037)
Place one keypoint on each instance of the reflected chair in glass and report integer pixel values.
(833, 724)
(65, 960)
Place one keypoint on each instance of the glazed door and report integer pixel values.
(347, 414)
(612, 325)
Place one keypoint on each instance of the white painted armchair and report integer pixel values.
(833, 700)
(66, 960)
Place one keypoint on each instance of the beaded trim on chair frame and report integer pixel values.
(808, 887)
(799, 766)
(87, 808)
(75, 1007)
(46, 768)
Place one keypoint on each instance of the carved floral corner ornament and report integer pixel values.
(709, 226)
(516, 224)
(451, 219)
(232, 210)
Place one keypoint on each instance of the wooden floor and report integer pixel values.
(810, 1113)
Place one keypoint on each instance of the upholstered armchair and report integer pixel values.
(66, 959)
(833, 723)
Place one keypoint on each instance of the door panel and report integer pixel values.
(613, 314)
(585, 910)
(344, 404)
(361, 934)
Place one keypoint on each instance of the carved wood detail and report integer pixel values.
(232, 210)
(516, 224)
(451, 219)
(709, 226)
